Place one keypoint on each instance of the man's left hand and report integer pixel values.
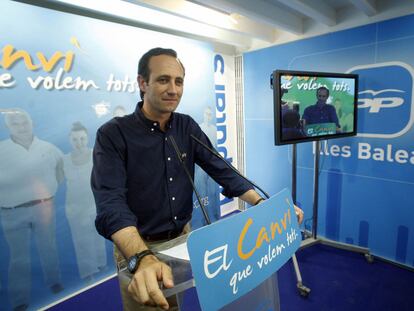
(299, 214)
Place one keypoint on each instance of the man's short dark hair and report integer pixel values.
(322, 88)
(143, 65)
(78, 126)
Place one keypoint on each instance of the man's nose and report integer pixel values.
(172, 88)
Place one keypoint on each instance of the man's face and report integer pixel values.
(322, 96)
(20, 126)
(164, 88)
(78, 140)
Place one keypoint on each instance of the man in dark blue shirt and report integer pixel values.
(141, 191)
(321, 112)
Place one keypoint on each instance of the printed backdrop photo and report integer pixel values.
(62, 77)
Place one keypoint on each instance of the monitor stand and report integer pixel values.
(311, 237)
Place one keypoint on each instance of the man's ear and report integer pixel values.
(141, 83)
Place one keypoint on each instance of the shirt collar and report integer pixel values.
(150, 123)
(320, 105)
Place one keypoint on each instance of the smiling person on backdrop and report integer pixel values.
(31, 170)
(142, 193)
(80, 205)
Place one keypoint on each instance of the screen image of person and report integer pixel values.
(290, 118)
(31, 171)
(321, 112)
(142, 194)
(80, 205)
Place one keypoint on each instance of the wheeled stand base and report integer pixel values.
(309, 241)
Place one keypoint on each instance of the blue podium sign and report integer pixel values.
(233, 256)
(320, 129)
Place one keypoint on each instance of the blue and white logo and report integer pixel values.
(385, 98)
(233, 256)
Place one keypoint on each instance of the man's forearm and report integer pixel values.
(250, 197)
(144, 286)
(129, 241)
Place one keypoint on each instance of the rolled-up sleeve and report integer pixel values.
(108, 182)
(233, 185)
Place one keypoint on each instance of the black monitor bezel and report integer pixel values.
(276, 79)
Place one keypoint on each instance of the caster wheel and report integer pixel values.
(304, 291)
(369, 258)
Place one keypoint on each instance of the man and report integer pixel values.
(142, 193)
(321, 112)
(30, 172)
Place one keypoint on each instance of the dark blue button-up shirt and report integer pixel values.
(321, 113)
(137, 179)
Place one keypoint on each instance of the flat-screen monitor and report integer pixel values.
(311, 106)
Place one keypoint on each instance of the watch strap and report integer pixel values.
(138, 257)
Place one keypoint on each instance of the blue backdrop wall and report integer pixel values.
(63, 69)
(366, 182)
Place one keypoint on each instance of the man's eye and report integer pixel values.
(163, 80)
(179, 82)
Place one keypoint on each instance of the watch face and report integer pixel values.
(132, 263)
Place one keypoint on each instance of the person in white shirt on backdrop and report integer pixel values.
(207, 125)
(80, 205)
(31, 170)
(206, 186)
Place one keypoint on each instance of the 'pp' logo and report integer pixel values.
(384, 99)
(380, 100)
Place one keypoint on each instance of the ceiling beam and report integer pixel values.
(261, 12)
(138, 16)
(367, 6)
(315, 9)
(233, 22)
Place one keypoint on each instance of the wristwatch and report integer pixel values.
(133, 261)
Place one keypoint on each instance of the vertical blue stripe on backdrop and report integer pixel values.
(333, 213)
(349, 240)
(363, 237)
(402, 244)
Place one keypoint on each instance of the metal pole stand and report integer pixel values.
(303, 290)
(311, 238)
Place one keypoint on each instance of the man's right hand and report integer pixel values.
(144, 286)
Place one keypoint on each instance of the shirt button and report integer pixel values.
(152, 130)
(175, 217)
(155, 123)
(171, 179)
(173, 198)
(169, 159)
(165, 138)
